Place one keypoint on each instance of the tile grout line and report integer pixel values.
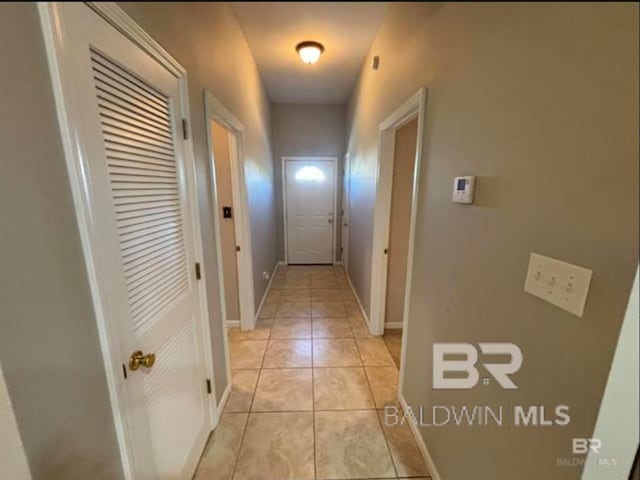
(253, 396)
(361, 366)
(313, 406)
(384, 434)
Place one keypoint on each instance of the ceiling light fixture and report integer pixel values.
(309, 51)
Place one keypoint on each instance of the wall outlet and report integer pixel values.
(266, 275)
(559, 283)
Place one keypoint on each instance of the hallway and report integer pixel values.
(319, 240)
(309, 388)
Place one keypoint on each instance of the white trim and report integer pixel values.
(414, 107)
(355, 294)
(426, 455)
(233, 323)
(393, 325)
(216, 111)
(223, 402)
(619, 432)
(266, 290)
(59, 65)
(334, 161)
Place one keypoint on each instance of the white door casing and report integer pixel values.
(413, 107)
(132, 176)
(310, 209)
(216, 111)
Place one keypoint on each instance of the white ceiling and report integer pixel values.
(273, 29)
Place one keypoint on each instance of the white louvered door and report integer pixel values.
(141, 216)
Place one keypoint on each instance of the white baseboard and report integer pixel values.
(393, 325)
(426, 455)
(233, 323)
(355, 294)
(223, 400)
(266, 291)
(282, 262)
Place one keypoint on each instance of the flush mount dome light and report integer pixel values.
(309, 51)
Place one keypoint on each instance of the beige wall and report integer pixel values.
(13, 462)
(60, 395)
(541, 102)
(49, 347)
(306, 131)
(217, 58)
(224, 191)
(404, 162)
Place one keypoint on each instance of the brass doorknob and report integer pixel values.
(139, 359)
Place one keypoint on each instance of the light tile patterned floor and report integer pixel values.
(308, 389)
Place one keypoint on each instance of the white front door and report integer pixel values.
(310, 205)
(128, 127)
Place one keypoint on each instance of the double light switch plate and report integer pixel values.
(559, 283)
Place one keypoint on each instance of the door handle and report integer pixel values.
(139, 359)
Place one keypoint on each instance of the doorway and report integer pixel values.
(396, 142)
(121, 101)
(404, 160)
(228, 245)
(230, 206)
(310, 209)
(344, 237)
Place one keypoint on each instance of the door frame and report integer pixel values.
(346, 187)
(60, 64)
(216, 111)
(414, 107)
(334, 161)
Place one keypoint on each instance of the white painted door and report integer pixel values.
(310, 205)
(344, 257)
(141, 221)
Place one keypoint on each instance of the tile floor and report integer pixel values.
(393, 339)
(308, 388)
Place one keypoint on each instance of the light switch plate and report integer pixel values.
(559, 283)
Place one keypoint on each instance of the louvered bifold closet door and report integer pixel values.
(136, 126)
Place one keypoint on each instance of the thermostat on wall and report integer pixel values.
(463, 188)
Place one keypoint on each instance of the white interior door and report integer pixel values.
(129, 130)
(310, 206)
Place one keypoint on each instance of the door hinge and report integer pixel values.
(185, 128)
(208, 386)
(237, 248)
(386, 250)
(198, 274)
